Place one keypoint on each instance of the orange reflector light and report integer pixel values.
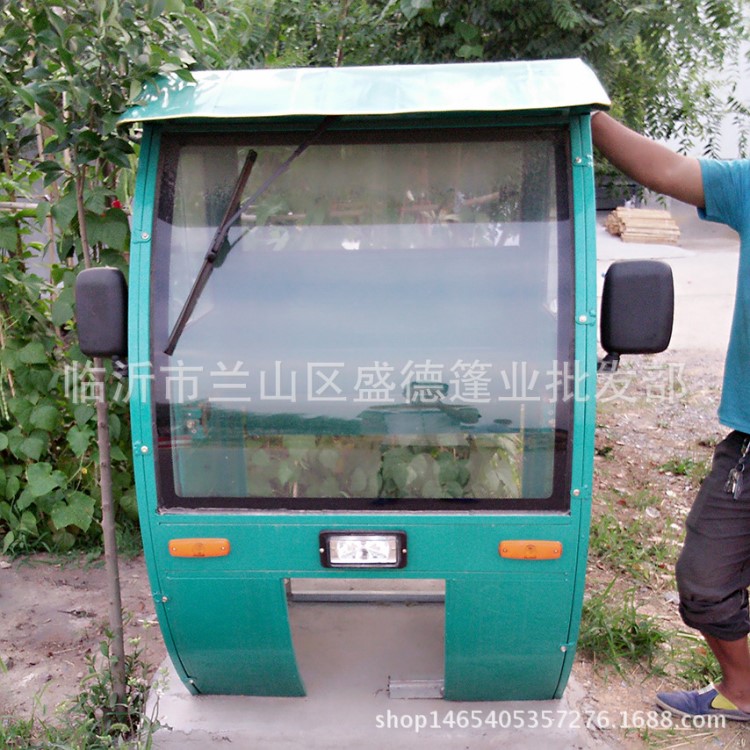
(199, 547)
(530, 549)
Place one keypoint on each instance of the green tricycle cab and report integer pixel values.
(362, 343)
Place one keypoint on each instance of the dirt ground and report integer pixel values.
(53, 615)
(657, 411)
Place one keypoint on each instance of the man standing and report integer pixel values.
(713, 571)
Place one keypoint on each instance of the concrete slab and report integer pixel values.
(346, 654)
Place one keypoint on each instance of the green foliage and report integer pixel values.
(659, 61)
(48, 475)
(275, 33)
(67, 71)
(45, 498)
(671, 69)
(96, 711)
(93, 720)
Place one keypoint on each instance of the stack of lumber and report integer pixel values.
(643, 225)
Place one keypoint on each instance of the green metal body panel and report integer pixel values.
(510, 625)
(522, 86)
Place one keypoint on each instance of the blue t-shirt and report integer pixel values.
(726, 185)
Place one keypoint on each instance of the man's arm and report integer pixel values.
(650, 163)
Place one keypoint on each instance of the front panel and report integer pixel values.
(386, 344)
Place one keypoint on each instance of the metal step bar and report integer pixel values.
(366, 590)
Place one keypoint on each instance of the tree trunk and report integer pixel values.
(117, 651)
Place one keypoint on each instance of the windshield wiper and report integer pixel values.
(230, 216)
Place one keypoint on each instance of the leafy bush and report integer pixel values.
(67, 70)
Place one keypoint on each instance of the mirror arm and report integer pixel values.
(610, 363)
(120, 366)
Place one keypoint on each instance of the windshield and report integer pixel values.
(385, 328)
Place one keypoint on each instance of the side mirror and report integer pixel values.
(101, 312)
(637, 308)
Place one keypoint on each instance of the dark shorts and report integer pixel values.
(713, 571)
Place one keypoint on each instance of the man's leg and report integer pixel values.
(713, 574)
(734, 660)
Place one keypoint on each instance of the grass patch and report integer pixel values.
(634, 548)
(638, 500)
(693, 661)
(614, 632)
(643, 499)
(686, 466)
(16, 733)
(92, 720)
